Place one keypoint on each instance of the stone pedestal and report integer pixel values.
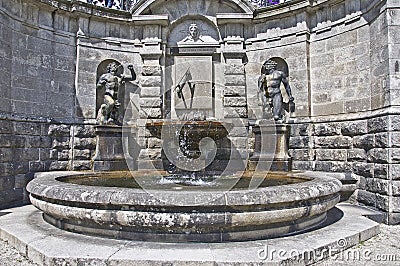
(271, 148)
(109, 154)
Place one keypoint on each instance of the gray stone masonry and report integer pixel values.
(365, 147)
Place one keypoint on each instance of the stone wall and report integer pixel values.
(343, 66)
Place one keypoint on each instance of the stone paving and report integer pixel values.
(378, 250)
(383, 249)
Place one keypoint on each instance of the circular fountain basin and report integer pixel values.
(92, 203)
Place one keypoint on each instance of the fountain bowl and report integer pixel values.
(195, 214)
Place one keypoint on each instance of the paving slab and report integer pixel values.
(25, 229)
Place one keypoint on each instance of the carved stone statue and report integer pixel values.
(269, 84)
(111, 82)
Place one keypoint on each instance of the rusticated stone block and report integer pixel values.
(300, 154)
(150, 154)
(26, 154)
(235, 101)
(352, 128)
(150, 92)
(356, 155)
(396, 188)
(84, 131)
(330, 155)
(150, 81)
(367, 198)
(382, 140)
(394, 171)
(234, 69)
(235, 91)
(378, 155)
(63, 155)
(150, 102)
(302, 165)
(395, 139)
(59, 130)
(328, 129)
(235, 80)
(299, 142)
(150, 113)
(332, 166)
(333, 142)
(82, 154)
(395, 123)
(378, 124)
(154, 143)
(36, 166)
(58, 165)
(151, 71)
(85, 143)
(365, 142)
(82, 165)
(235, 112)
(301, 129)
(394, 155)
(377, 185)
(363, 169)
(382, 202)
(381, 171)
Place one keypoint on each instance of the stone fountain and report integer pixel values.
(194, 197)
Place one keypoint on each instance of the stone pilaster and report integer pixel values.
(150, 103)
(235, 103)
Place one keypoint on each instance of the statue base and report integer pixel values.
(271, 147)
(109, 154)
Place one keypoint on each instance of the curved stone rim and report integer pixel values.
(45, 185)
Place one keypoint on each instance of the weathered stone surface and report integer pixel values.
(150, 102)
(382, 140)
(234, 69)
(300, 154)
(395, 139)
(363, 169)
(301, 129)
(82, 154)
(327, 129)
(85, 143)
(332, 166)
(154, 143)
(356, 155)
(235, 101)
(378, 124)
(150, 92)
(235, 80)
(85, 131)
(330, 154)
(299, 142)
(59, 130)
(235, 91)
(235, 112)
(333, 142)
(151, 71)
(58, 165)
(365, 141)
(367, 198)
(150, 81)
(394, 171)
(378, 155)
(352, 128)
(150, 113)
(378, 185)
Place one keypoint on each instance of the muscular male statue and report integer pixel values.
(269, 83)
(111, 82)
